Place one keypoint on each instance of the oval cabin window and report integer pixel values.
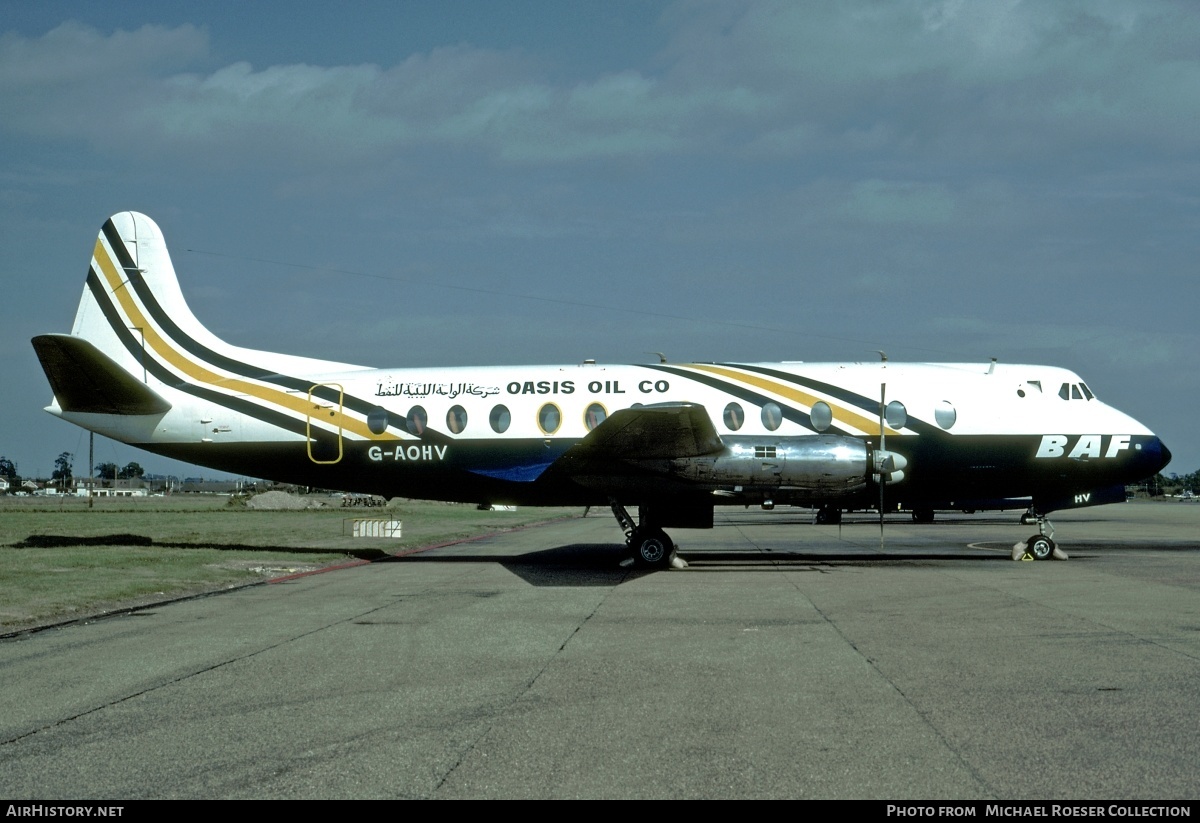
(821, 416)
(499, 419)
(772, 416)
(549, 418)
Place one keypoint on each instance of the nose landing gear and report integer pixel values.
(1041, 546)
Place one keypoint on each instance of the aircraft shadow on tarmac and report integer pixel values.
(599, 564)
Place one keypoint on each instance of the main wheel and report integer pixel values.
(828, 516)
(652, 548)
(922, 515)
(1041, 547)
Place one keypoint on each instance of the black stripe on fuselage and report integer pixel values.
(133, 346)
(870, 405)
(218, 360)
(748, 395)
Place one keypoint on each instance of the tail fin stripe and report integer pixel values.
(169, 378)
(205, 354)
(117, 243)
(172, 356)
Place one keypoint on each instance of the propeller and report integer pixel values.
(889, 466)
(883, 452)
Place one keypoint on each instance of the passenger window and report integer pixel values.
(944, 414)
(594, 416)
(896, 415)
(499, 419)
(772, 416)
(734, 417)
(549, 418)
(377, 420)
(416, 420)
(456, 419)
(821, 416)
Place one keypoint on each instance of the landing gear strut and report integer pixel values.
(650, 546)
(1041, 546)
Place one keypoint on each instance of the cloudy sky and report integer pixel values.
(451, 183)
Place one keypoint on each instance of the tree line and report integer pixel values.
(64, 470)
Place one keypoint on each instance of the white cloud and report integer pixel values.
(783, 78)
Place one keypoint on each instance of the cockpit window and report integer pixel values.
(1075, 391)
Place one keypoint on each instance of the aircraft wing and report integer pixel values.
(659, 431)
(662, 431)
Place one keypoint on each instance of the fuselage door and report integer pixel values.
(324, 423)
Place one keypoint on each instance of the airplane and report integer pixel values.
(673, 439)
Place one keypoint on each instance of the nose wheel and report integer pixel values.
(1041, 546)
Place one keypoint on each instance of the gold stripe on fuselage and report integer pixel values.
(168, 353)
(854, 420)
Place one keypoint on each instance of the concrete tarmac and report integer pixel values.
(790, 661)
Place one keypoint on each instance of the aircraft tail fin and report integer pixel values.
(131, 301)
(134, 315)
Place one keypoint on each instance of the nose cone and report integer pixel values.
(1155, 455)
(1166, 454)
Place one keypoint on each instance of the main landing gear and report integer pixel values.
(1041, 546)
(828, 516)
(649, 544)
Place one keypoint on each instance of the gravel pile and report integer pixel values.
(276, 501)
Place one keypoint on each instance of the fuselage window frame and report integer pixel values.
(945, 414)
(821, 416)
(733, 416)
(549, 418)
(594, 415)
(456, 419)
(416, 421)
(500, 418)
(771, 416)
(377, 420)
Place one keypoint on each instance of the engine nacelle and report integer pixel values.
(820, 466)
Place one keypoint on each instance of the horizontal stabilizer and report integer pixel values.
(87, 380)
